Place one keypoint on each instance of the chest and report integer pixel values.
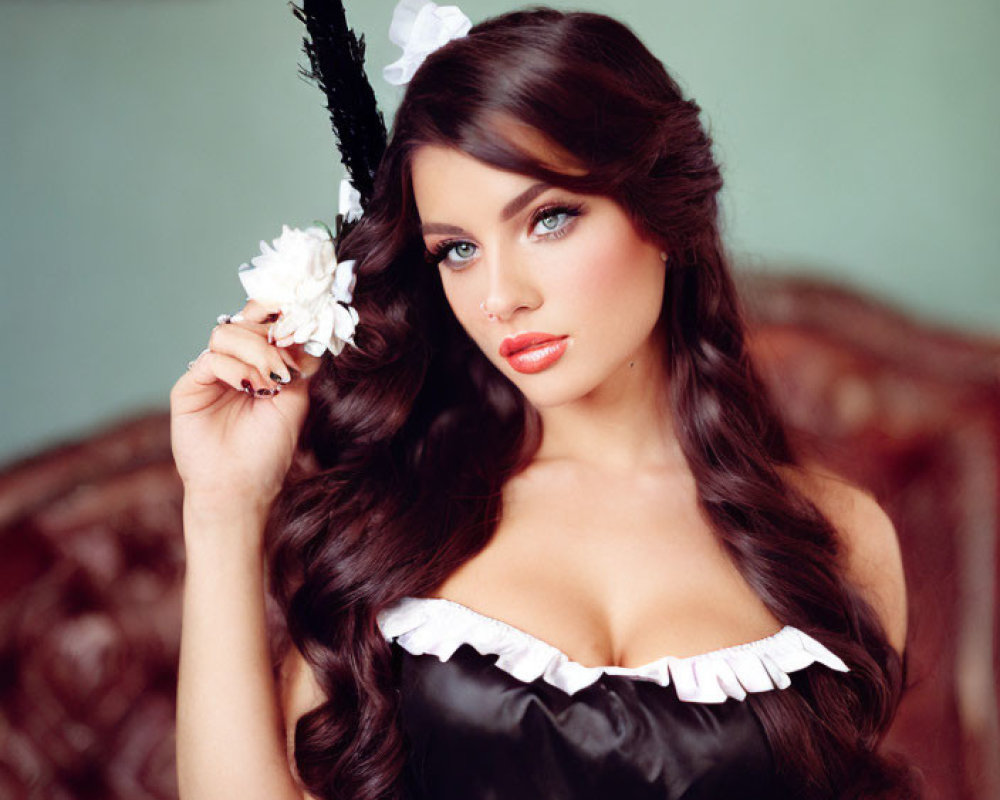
(611, 571)
(477, 732)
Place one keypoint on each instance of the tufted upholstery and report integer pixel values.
(92, 564)
(912, 414)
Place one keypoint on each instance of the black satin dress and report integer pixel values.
(490, 712)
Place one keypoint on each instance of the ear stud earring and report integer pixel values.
(663, 256)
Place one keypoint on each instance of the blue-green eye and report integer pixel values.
(554, 220)
(550, 222)
(441, 252)
(551, 217)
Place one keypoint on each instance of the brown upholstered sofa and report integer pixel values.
(91, 558)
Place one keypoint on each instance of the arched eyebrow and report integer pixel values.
(506, 212)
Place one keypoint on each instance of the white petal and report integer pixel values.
(310, 289)
(314, 348)
(343, 279)
(324, 323)
(260, 284)
(304, 332)
(285, 326)
(344, 321)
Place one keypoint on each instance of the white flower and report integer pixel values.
(312, 290)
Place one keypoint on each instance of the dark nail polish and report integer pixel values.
(272, 317)
(277, 378)
(247, 386)
(264, 391)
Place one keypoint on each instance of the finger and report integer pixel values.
(239, 318)
(256, 311)
(261, 318)
(210, 367)
(249, 347)
(265, 328)
(307, 364)
(294, 364)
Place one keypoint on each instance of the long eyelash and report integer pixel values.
(570, 209)
(439, 252)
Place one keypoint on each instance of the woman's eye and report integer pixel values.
(554, 220)
(451, 253)
(550, 221)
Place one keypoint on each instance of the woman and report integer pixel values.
(590, 568)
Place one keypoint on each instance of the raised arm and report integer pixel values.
(232, 451)
(230, 720)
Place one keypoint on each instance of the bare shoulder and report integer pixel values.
(871, 547)
(299, 693)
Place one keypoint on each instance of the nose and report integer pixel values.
(510, 286)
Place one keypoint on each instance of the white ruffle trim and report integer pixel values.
(440, 626)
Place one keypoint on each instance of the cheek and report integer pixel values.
(613, 277)
(462, 297)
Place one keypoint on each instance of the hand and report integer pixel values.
(229, 444)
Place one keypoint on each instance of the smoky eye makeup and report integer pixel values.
(440, 252)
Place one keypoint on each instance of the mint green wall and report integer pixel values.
(146, 147)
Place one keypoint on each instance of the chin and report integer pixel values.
(550, 390)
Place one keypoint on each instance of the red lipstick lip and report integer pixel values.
(513, 344)
(539, 357)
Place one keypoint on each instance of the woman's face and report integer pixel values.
(543, 261)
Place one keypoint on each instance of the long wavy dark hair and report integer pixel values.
(412, 435)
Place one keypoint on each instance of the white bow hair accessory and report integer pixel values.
(420, 27)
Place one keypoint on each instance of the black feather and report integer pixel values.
(337, 61)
